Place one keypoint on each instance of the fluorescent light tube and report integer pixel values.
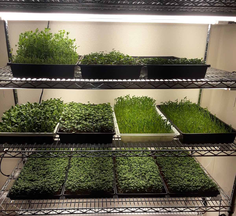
(114, 18)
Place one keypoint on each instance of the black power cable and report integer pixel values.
(41, 95)
(1, 166)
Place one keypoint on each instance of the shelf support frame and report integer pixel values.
(232, 198)
(9, 54)
(205, 58)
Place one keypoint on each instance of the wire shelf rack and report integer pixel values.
(207, 7)
(214, 79)
(220, 204)
(117, 149)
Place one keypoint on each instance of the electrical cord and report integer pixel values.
(1, 165)
(41, 95)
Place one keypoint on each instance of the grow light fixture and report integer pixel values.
(115, 18)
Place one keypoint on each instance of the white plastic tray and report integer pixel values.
(146, 137)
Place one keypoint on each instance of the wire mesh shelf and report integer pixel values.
(196, 7)
(108, 205)
(117, 149)
(214, 79)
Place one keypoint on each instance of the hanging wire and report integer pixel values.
(1, 166)
(41, 95)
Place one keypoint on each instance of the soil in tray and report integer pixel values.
(138, 175)
(185, 177)
(41, 178)
(90, 177)
(139, 115)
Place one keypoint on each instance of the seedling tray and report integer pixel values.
(35, 196)
(95, 138)
(110, 71)
(39, 138)
(185, 194)
(27, 137)
(135, 194)
(88, 194)
(191, 138)
(177, 71)
(87, 137)
(146, 137)
(42, 70)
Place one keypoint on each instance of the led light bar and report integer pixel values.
(115, 18)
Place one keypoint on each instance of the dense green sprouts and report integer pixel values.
(139, 115)
(32, 117)
(78, 117)
(44, 47)
(184, 175)
(40, 176)
(138, 175)
(112, 58)
(153, 61)
(88, 175)
(191, 118)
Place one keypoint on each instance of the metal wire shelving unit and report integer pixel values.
(199, 205)
(214, 79)
(117, 149)
(197, 7)
(177, 205)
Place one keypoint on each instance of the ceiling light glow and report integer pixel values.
(114, 18)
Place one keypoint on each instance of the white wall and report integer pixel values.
(134, 39)
(221, 55)
(104, 96)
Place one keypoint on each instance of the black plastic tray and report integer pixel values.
(93, 194)
(137, 194)
(177, 71)
(42, 70)
(86, 194)
(110, 71)
(86, 137)
(185, 194)
(34, 196)
(191, 138)
(24, 137)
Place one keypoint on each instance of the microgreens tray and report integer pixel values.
(85, 137)
(42, 70)
(185, 177)
(40, 178)
(191, 138)
(177, 71)
(90, 177)
(138, 177)
(147, 137)
(71, 136)
(110, 71)
(28, 137)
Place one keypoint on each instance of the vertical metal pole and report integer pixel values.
(9, 55)
(48, 24)
(15, 96)
(7, 41)
(205, 58)
(207, 41)
(232, 199)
